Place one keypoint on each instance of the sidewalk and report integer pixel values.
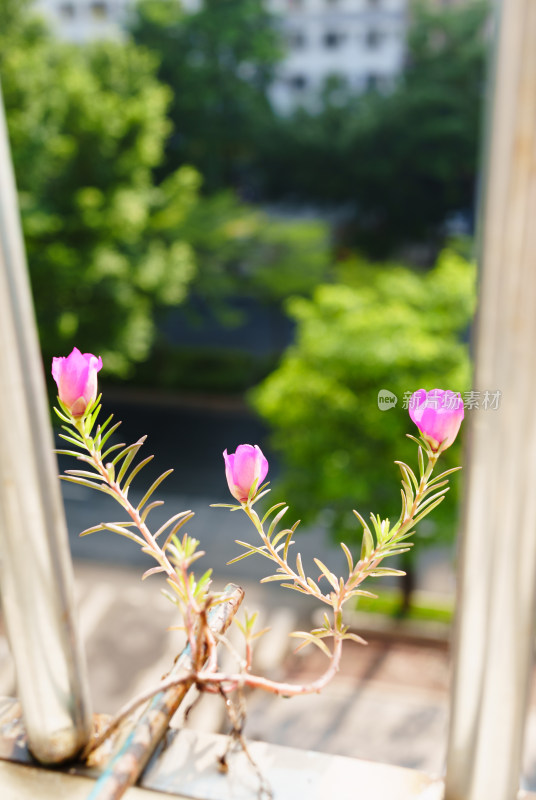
(389, 703)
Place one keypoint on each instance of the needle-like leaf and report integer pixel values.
(310, 639)
(110, 526)
(433, 497)
(367, 546)
(152, 571)
(295, 587)
(288, 540)
(178, 525)
(377, 573)
(137, 469)
(82, 473)
(356, 638)
(276, 519)
(84, 482)
(443, 475)
(153, 488)
(130, 455)
(62, 416)
(170, 521)
(111, 450)
(326, 572)
(94, 529)
(70, 439)
(420, 457)
(280, 535)
(91, 419)
(299, 566)
(240, 557)
(147, 510)
(102, 428)
(109, 432)
(428, 509)
(270, 512)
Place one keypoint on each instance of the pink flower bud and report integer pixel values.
(438, 415)
(243, 468)
(76, 376)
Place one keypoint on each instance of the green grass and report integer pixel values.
(423, 607)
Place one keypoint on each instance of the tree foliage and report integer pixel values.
(377, 328)
(246, 252)
(218, 61)
(87, 128)
(110, 246)
(402, 159)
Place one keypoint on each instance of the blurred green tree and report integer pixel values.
(401, 158)
(377, 328)
(110, 247)
(417, 149)
(249, 263)
(87, 127)
(219, 61)
(246, 252)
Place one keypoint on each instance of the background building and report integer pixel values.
(360, 41)
(82, 20)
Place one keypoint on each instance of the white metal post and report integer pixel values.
(35, 565)
(497, 577)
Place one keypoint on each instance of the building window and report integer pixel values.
(99, 10)
(298, 82)
(373, 38)
(66, 10)
(332, 39)
(296, 39)
(372, 82)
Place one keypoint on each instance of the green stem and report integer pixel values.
(253, 516)
(368, 565)
(94, 452)
(423, 485)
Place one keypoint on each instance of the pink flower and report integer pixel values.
(243, 468)
(438, 415)
(76, 376)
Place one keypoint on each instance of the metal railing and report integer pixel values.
(495, 630)
(35, 566)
